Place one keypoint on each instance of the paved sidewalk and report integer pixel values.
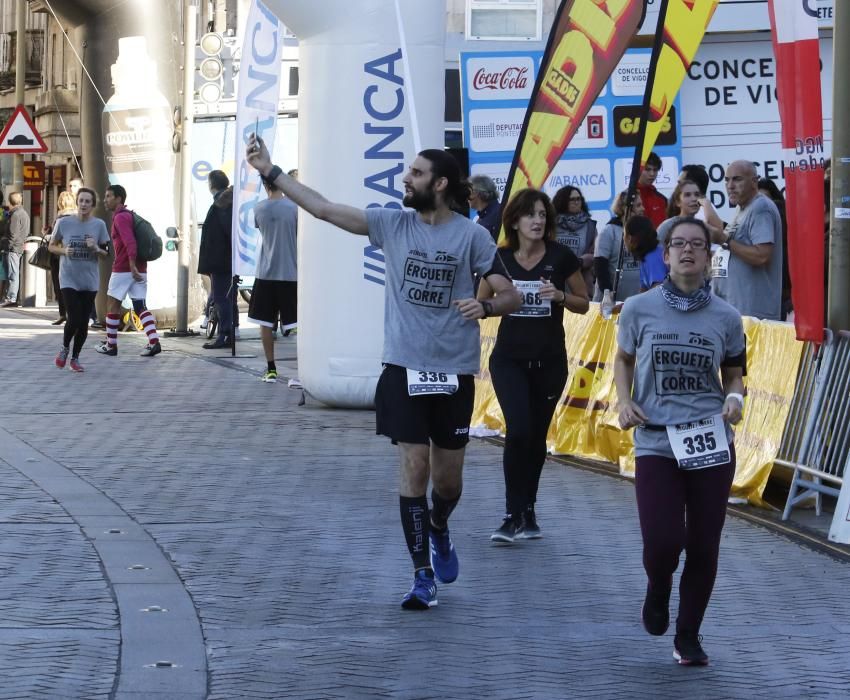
(174, 528)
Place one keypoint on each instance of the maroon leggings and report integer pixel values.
(682, 510)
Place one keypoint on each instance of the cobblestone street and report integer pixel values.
(174, 528)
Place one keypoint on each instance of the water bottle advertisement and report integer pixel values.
(137, 130)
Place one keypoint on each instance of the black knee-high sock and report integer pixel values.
(415, 523)
(442, 509)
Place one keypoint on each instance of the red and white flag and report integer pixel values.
(797, 50)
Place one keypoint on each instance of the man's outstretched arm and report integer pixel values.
(346, 217)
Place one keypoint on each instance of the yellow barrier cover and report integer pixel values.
(585, 421)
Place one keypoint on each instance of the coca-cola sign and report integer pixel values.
(511, 78)
(500, 78)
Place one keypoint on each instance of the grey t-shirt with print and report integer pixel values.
(277, 220)
(581, 240)
(754, 291)
(428, 268)
(678, 359)
(608, 246)
(78, 270)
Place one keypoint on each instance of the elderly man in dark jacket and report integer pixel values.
(214, 257)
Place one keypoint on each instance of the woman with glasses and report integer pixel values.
(679, 377)
(528, 365)
(575, 228)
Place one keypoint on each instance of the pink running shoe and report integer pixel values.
(76, 366)
(61, 358)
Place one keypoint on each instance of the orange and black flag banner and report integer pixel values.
(681, 28)
(587, 41)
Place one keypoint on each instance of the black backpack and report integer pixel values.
(148, 243)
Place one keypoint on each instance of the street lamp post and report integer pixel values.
(20, 82)
(838, 305)
(184, 247)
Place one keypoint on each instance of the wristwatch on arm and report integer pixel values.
(274, 174)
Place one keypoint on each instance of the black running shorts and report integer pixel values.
(439, 418)
(270, 298)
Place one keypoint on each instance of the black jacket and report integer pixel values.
(215, 252)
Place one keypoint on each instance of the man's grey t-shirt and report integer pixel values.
(19, 228)
(428, 268)
(754, 291)
(608, 246)
(78, 270)
(678, 359)
(277, 220)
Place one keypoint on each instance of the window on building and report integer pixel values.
(452, 111)
(504, 20)
(293, 82)
(51, 68)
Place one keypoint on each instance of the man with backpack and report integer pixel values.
(129, 273)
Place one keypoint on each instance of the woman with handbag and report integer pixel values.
(78, 240)
(65, 206)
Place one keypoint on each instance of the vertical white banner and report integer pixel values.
(356, 140)
(257, 100)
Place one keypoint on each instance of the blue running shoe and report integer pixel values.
(423, 594)
(443, 556)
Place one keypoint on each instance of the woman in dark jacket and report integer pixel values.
(214, 256)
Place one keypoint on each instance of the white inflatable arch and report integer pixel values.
(361, 117)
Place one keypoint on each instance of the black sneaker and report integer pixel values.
(655, 612)
(510, 529)
(687, 649)
(530, 529)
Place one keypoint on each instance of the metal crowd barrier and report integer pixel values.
(817, 433)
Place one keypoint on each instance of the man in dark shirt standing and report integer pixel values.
(484, 198)
(214, 256)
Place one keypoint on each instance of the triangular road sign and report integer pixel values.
(20, 135)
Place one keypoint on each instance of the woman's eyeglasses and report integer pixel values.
(696, 244)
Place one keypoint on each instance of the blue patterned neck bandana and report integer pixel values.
(680, 301)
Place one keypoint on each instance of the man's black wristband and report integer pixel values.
(488, 308)
(274, 174)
